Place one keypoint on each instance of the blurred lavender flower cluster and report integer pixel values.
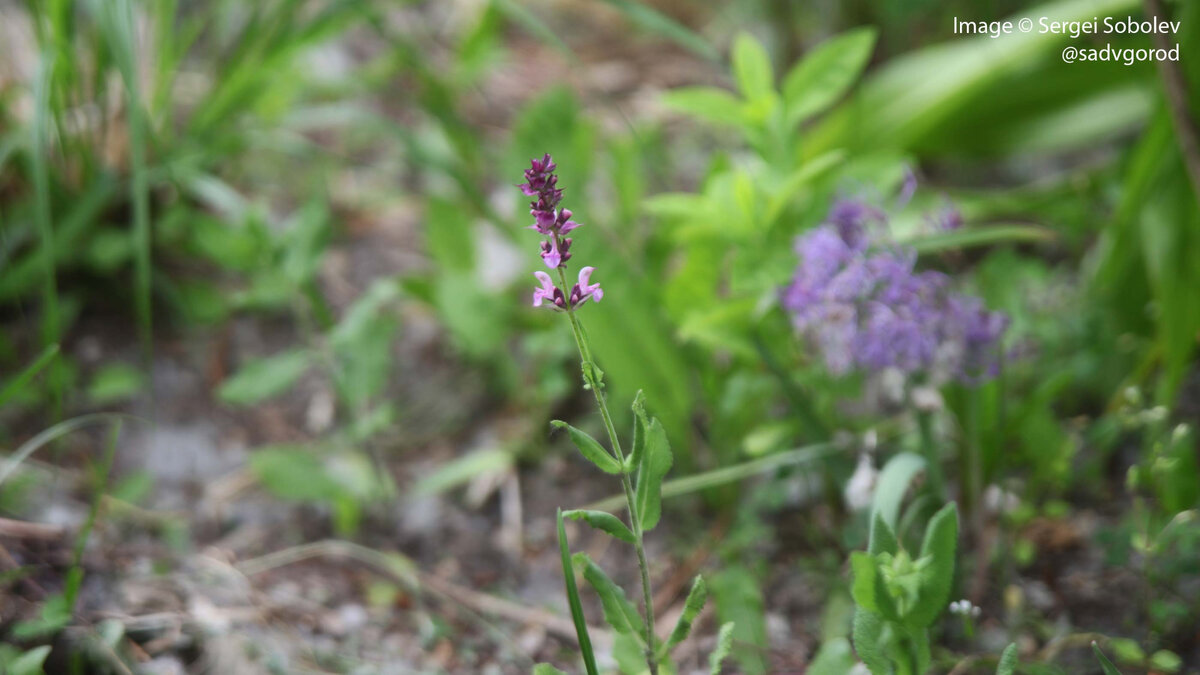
(858, 298)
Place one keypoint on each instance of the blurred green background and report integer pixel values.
(264, 284)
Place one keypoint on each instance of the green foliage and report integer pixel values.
(618, 611)
(603, 521)
(263, 378)
(724, 646)
(898, 597)
(826, 73)
(691, 609)
(581, 628)
(656, 462)
(1105, 665)
(591, 449)
(1008, 661)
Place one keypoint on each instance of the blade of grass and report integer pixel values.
(42, 214)
(117, 24)
(979, 236)
(656, 22)
(18, 383)
(728, 474)
(581, 628)
(51, 434)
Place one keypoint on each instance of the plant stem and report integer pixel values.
(594, 383)
(929, 449)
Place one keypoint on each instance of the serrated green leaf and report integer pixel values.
(1105, 664)
(883, 540)
(656, 462)
(603, 521)
(752, 68)
(618, 611)
(1008, 660)
(869, 590)
(546, 669)
(869, 642)
(691, 609)
(581, 628)
(590, 448)
(264, 378)
(721, 651)
(826, 73)
(706, 103)
(937, 579)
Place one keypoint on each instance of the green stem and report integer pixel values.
(594, 383)
(929, 449)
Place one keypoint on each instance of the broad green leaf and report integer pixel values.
(826, 73)
(883, 540)
(581, 627)
(603, 521)
(869, 642)
(869, 590)
(691, 609)
(1105, 664)
(707, 103)
(941, 540)
(546, 669)
(264, 378)
(29, 663)
(590, 448)
(721, 651)
(656, 462)
(893, 484)
(738, 596)
(293, 473)
(114, 383)
(835, 657)
(752, 68)
(618, 611)
(1008, 660)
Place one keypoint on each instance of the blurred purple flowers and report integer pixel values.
(860, 301)
(553, 223)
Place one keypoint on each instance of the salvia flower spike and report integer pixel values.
(553, 223)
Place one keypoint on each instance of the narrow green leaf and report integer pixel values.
(581, 628)
(826, 73)
(16, 384)
(618, 611)
(546, 669)
(937, 580)
(50, 434)
(1105, 664)
(971, 237)
(691, 609)
(1008, 660)
(640, 425)
(590, 448)
(655, 465)
(263, 378)
(721, 651)
(752, 68)
(603, 521)
(650, 19)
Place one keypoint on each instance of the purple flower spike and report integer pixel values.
(585, 289)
